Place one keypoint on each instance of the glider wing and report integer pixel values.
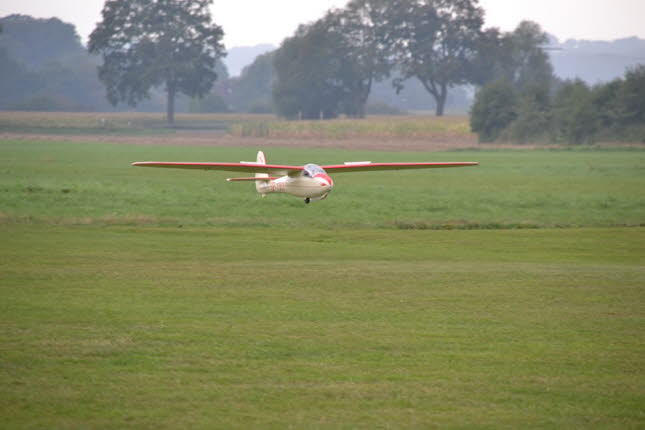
(368, 166)
(273, 169)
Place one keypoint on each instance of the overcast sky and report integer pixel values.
(252, 22)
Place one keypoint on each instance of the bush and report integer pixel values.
(576, 119)
(381, 108)
(495, 108)
(533, 121)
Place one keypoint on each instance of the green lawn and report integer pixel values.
(94, 183)
(152, 298)
(219, 327)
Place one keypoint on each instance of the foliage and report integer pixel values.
(148, 44)
(632, 96)
(329, 67)
(576, 119)
(529, 64)
(35, 42)
(364, 38)
(517, 57)
(43, 65)
(307, 66)
(494, 109)
(252, 90)
(436, 41)
(569, 111)
(533, 121)
(17, 81)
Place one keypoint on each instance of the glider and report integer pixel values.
(311, 182)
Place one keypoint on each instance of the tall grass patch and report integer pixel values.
(377, 127)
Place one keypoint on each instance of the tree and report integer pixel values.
(494, 109)
(328, 67)
(516, 56)
(36, 42)
(148, 43)
(575, 117)
(17, 83)
(632, 96)
(366, 46)
(533, 121)
(251, 92)
(436, 41)
(606, 101)
(308, 67)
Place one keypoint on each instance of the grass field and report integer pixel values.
(510, 295)
(80, 183)
(160, 327)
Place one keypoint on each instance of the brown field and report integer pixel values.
(393, 133)
(418, 133)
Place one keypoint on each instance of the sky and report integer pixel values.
(253, 22)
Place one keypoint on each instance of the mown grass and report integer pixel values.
(162, 327)
(151, 298)
(380, 127)
(66, 183)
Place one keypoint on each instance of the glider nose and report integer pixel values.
(325, 181)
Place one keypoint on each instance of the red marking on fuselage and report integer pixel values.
(326, 178)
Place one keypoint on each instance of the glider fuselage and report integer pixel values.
(312, 183)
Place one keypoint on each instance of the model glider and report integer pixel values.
(311, 182)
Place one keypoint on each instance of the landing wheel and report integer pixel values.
(307, 200)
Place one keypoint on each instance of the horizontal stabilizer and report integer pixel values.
(257, 178)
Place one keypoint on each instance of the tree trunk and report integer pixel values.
(441, 100)
(170, 103)
(439, 94)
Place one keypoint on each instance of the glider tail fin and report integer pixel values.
(260, 185)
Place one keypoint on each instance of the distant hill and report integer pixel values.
(239, 57)
(596, 61)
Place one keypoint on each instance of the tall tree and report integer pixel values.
(251, 91)
(367, 50)
(436, 41)
(517, 56)
(328, 67)
(308, 67)
(149, 43)
(36, 41)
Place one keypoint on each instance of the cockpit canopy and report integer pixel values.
(311, 170)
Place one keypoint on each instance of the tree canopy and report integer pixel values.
(436, 42)
(347, 51)
(146, 44)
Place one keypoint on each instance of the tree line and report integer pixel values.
(146, 49)
(329, 67)
(561, 111)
